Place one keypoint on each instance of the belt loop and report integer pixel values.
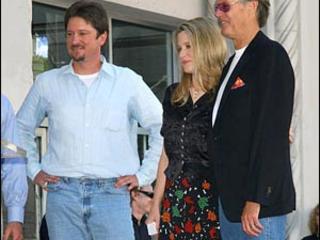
(65, 179)
(100, 182)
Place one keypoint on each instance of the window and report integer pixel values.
(48, 36)
(146, 50)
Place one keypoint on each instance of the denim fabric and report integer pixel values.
(85, 209)
(273, 228)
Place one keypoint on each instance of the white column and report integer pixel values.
(295, 25)
(284, 28)
(16, 46)
(309, 27)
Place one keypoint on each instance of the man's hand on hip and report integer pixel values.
(42, 179)
(250, 219)
(131, 181)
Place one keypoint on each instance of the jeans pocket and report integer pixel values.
(54, 187)
(110, 189)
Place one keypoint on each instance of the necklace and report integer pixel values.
(195, 94)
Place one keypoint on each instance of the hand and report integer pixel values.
(42, 179)
(154, 216)
(291, 135)
(13, 230)
(131, 181)
(250, 219)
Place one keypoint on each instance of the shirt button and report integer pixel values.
(183, 126)
(185, 119)
(182, 134)
(182, 155)
(182, 162)
(181, 140)
(182, 147)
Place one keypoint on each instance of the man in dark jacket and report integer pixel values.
(249, 140)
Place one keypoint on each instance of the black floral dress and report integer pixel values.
(189, 202)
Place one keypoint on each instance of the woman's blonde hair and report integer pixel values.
(209, 53)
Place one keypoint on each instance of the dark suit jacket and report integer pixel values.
(249, 143)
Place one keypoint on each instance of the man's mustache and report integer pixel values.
(76, 46)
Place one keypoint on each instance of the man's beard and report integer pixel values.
(74, 55)
(78, 59)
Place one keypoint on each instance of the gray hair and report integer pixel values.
(262, 11)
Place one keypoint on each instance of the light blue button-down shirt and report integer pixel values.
(13, 170)
(92, 131)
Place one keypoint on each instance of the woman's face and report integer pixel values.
(185, 52)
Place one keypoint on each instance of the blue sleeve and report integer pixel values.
(147, 110)
(13, 170)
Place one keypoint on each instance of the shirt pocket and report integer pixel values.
(116, 121)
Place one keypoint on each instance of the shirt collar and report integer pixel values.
(106, 68)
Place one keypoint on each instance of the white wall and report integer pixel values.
(16, 50)
(184, 9)
(309, 26)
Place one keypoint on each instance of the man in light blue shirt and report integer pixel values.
(93, 110)
(13, 175)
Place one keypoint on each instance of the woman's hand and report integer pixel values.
(154, 216)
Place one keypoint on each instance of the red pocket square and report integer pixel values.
(238, 84)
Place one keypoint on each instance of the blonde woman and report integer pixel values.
(184, 191)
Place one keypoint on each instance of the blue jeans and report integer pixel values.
(273, 228)
(85, 209)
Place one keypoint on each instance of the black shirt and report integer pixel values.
(185, 130)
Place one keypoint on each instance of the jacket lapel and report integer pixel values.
(225, 70)
(244, 58)
(248, 53)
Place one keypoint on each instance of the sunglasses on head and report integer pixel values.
(224, 6)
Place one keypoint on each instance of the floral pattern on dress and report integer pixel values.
(188, 211)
